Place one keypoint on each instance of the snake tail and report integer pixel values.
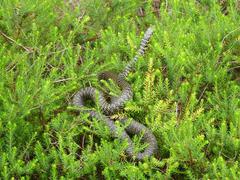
(140, 52)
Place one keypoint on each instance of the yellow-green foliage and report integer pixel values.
(186, 88)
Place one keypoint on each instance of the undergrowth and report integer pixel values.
(186, 88)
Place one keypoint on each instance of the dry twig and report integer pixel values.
(27, 49)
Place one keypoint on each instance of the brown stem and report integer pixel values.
(29, 50)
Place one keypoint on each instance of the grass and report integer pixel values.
(186, 88)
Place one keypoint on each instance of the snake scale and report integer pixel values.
(109, 107)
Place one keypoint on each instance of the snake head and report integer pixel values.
(107, 75)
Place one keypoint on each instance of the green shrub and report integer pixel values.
(186, 88)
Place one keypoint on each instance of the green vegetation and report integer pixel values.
(186, 88)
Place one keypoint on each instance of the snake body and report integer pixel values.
(116, 103)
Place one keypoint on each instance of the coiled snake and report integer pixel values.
(116, 103)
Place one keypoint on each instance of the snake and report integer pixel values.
(109, 107)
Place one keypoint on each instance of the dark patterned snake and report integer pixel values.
(109, 107)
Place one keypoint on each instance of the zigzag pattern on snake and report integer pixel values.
(116, 103)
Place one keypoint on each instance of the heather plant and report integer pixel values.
(186, 88)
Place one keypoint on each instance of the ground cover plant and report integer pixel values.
(186, 88)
